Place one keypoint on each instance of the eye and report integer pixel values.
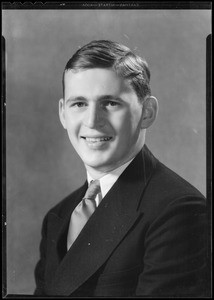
(111, 104)
(78, 104)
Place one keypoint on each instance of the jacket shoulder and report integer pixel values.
(171, 183)
(168, 189)
(164, 182)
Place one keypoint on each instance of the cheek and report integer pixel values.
(126, 125)
(72, 134)
(72, 124)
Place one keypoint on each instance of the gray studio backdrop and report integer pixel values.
(41, 165)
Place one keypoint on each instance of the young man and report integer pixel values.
(145, 231)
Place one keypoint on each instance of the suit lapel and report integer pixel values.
(114, 217)
(58, 223)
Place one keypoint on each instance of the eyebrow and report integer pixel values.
(100, 98)
(110, 98)
(72, 99)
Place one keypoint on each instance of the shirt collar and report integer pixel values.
(107, 181)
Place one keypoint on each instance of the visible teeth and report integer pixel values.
(93, 140)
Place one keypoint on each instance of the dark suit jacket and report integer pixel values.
(146, 238)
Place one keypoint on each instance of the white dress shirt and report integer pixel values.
(107, 181)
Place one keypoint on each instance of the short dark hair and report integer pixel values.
(111, 55)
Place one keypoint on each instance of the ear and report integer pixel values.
(150, 110)
(62, 113)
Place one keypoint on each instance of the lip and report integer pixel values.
(97, 142)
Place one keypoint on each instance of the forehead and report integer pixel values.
(95, 81)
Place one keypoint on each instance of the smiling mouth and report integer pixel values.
(97, 139)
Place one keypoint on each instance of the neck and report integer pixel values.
(96, 174)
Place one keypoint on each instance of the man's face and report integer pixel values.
(102, 115)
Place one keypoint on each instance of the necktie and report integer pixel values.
(82, 212)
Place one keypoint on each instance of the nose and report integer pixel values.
(94, 117)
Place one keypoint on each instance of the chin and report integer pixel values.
(97, 165)
(95, 159)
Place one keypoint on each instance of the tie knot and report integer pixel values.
(93, 190)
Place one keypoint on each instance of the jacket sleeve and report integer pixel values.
(175, 259)
(40, 267)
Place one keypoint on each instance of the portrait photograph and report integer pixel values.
(106, 104)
